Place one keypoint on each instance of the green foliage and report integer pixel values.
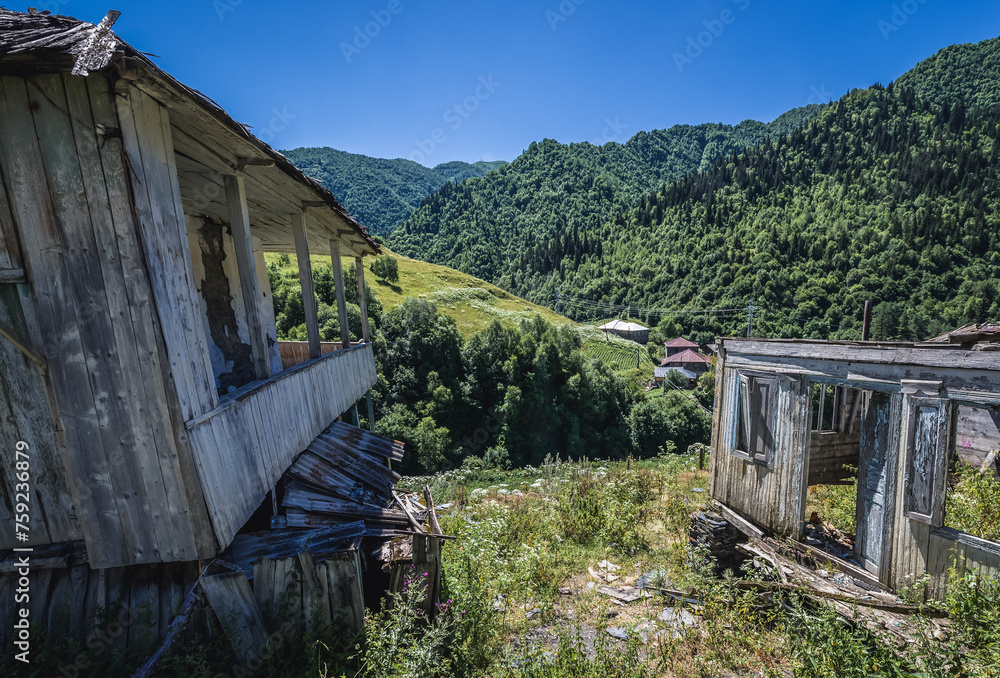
(891, 194)
(378, 192)
(973, 503)
(386, 267)
(674, 417)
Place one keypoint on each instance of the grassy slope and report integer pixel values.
(471, 302)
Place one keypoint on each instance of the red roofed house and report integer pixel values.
(689, 360)
(675, 346)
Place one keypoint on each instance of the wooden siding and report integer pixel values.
(770, 494)
(25, 414)
(146, 131)
(916, 378)
(243, 446)
(130, 479)
(10, 253)
(116, 608)
(829, 451)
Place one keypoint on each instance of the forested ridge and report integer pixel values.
(482, 225)
(380, 192)
(888, 194)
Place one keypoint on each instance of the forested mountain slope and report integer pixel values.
(483, 225)
(381, 193)
(889, 194)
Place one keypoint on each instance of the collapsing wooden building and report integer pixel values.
(903, 419)
(139, 363)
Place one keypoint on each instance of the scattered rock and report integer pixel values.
(677, 619)
(565, 590)
(618, 633)
(612, 613)
(531, 614)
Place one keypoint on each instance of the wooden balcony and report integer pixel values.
(243, 446)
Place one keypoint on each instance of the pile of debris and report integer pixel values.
(819, 574)
(719, 538)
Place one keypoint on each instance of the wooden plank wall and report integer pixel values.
(146, 132)
(131, 481)
(829, 451)
(26, 415)
(244, 446)
(10, 252)
(771, 495)
(118, 608)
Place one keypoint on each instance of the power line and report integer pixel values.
(618, 308)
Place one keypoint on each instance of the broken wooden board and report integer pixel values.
(231, 598)
(290, 542)
(627, 594)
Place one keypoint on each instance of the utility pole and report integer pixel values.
(750, 309)
(866, 327)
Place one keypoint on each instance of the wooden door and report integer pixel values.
(873, 481)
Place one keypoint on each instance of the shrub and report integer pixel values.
(386, 267)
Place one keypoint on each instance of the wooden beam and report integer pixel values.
(243, 163)
(239, 222)
(362, 300)
(338, 279)
(8, 334)
(306, 281)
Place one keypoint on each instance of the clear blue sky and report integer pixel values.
(405, 78)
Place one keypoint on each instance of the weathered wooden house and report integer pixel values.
(901, 418)
(139, 362)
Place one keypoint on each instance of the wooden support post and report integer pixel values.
(822, 407)
(866, 326)
(338, 279)
(362, 300)
(239, 222)
(371, 413)
(306, 282)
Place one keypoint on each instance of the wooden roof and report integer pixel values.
(208, 142)
(680, 341)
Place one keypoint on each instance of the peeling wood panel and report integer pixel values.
(977, 432)
(239, 462)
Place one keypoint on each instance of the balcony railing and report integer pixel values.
(243, 446)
